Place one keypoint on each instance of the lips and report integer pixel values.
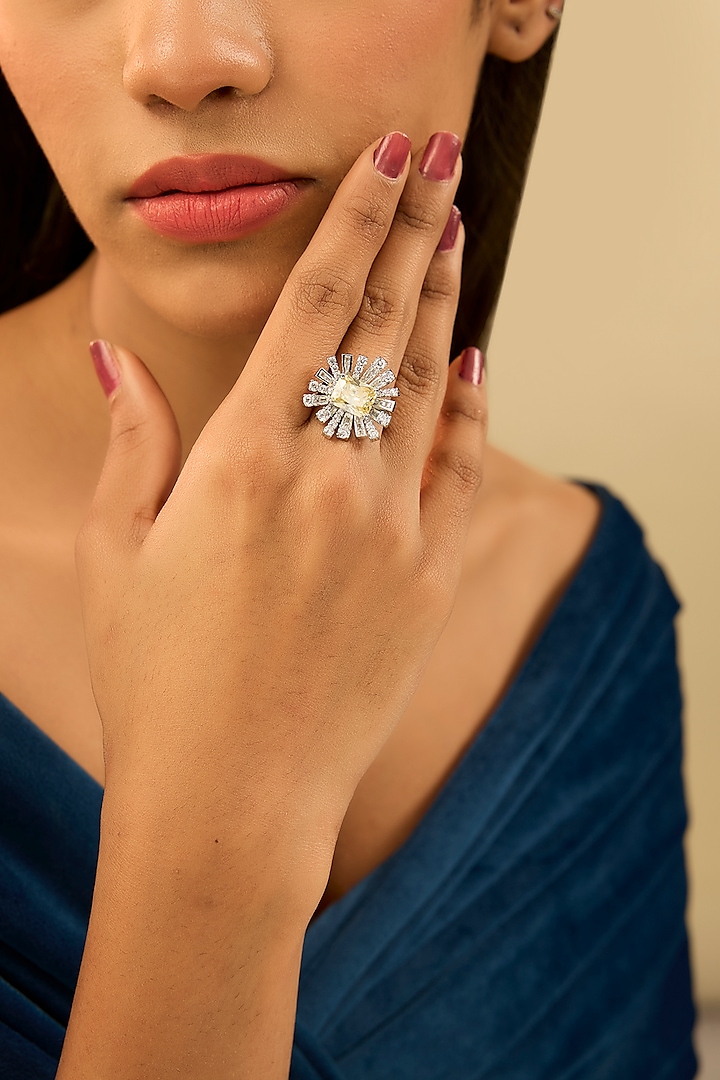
(206, 172)
(212, 197)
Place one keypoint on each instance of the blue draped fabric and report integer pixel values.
(531, 928)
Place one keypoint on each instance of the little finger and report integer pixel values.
(423, 375)
(454, 467)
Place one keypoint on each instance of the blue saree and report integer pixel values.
(531, 928)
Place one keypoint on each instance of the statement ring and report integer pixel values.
(353, 398)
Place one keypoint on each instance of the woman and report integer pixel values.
(288, 703)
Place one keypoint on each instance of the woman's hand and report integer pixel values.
(257, 624)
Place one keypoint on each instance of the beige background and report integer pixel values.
(605, 356)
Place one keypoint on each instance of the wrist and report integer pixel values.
(271, 854)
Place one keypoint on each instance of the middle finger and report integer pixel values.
(385, 320)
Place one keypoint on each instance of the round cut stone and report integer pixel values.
(352, 396)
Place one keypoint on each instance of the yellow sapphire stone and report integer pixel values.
(352, 396)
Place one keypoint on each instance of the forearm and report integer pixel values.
(191, 963)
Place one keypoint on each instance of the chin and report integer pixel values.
(214, 299)
(211, 291)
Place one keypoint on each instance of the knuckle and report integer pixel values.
(439, 289)
(130, 434)
(369, 215)
(324, 292)
(464, 471)
(420, 372)
(465, 408)
(416, 216)
(381, 308)
(400, 543)
(338, 493)
(245, 467)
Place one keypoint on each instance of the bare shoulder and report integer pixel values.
(34, 332)
(24, 333)
(16, 345)
(37, 376)
(530, 530)
(525, 503)
(21, 394)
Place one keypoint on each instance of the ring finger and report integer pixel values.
(387, 314)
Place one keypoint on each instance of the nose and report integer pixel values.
(181, 51)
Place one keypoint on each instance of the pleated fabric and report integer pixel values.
(531, 928)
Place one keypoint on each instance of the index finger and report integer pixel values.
(324, 291)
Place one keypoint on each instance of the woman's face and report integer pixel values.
(112, 87)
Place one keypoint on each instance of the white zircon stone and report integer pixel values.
(351, 396)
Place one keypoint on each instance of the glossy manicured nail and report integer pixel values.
(440, 157)
(472, 365)
(450, 232)
(392, 153)
(106, 366)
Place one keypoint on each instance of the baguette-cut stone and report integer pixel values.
(360, 365)
(343, 432)
(332, 424)
(375, 368)
(352, 396)
(381, 380)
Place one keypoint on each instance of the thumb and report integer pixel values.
(143, 458)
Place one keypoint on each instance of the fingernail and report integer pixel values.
(392, 153)
(440, 157)
(450, 232)
(106, 366)
(472, 365)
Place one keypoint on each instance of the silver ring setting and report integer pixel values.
(353, 399)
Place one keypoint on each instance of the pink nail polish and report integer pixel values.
(449, 236)
(106, 366)
(472, 366)
(440, 157)
(392, 153)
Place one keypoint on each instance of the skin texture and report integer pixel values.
(203, 604)
(313, 84)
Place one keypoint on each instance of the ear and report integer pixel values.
(520, 28)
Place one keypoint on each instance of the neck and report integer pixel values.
(54, 418)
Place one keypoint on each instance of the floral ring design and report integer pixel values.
(353, 398)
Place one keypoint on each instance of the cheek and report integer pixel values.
(350, 71)
(54, 76)
(409, 65)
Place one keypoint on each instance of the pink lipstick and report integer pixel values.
(210, 198)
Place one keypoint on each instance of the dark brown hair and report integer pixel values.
(43, 242)
(496, 156)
